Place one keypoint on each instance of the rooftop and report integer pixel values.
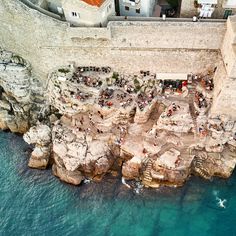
(97, 3)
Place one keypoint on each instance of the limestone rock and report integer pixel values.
(40, 135)
(169, 158)
(215, 164)
(39, 158)
(214, 145)
(78, 152)
(179, 120)
(71, 177)
(131, 168)
(5, 105)
(101, 166)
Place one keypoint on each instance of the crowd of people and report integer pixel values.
(144, 99)
(172, 108)
(200, 100)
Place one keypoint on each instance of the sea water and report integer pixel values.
(33, 202)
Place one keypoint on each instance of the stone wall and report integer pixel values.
(125, 46)
(225, 77)
(159, 46)
(228, 49)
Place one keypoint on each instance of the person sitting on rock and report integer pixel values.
(169, 113)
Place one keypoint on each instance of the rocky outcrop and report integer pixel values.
(176, 118)
(100, 122)
(131, 169)
(75, 151)
(21, 96)
(71, 177)
(40, 136)
(212, 164)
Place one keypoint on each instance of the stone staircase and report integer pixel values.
(193, 115)
(191, 95)
(200, 170)
(147, 172)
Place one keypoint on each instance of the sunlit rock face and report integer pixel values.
(92, 121)
(21, 95)
(154, 131)
(40, 136)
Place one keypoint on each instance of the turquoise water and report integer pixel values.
(33, 202)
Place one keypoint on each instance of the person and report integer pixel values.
(184, 83)
(169, 113)
(221, 202)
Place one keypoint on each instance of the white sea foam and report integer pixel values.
(124, 182)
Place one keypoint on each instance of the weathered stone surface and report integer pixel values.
(169, 158)
(21, 99)
(212, 164)
(76, 151)
(71, 177)
(39, 158)
(40, 135)
(102, 165)
(131, 168)
(178, 121)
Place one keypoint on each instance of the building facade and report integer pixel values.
(79, 12)
(137, 7)
(88, 12)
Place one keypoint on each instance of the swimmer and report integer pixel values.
(221, 202)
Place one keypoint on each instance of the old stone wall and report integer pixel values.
(228, 49)
(126, 46)
(225, 77)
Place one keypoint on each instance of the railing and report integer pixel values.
(170, 19)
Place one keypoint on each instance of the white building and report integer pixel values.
(208, 8)
(136, 7)
(88, 12)
(80, 12)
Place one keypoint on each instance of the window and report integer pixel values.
(227, 13)
(138, 11)
(74, 14)
(126, 8)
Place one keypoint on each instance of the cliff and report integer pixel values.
(89, 100)
(137, 125)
